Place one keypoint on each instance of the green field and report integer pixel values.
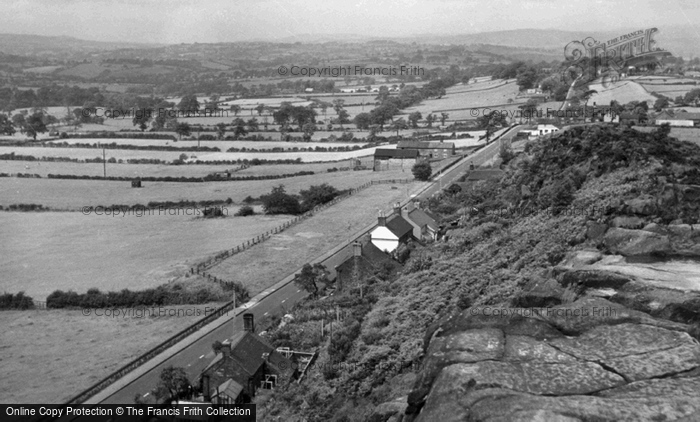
(489, 94)
(50, 356)
(222, 145)
(44, 168)
(43, 252)
(75, 194)
(121, 154)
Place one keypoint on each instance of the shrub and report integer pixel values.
(245, 211)
(17, 301)
(422, 171)
(279, 202)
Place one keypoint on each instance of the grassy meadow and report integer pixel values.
(62, 194)
(43, 252)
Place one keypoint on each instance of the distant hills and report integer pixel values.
(40, 45)
(681, 41)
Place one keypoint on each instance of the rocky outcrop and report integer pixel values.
(587, 360)
(636, 242)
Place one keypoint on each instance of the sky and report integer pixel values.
(208, 21)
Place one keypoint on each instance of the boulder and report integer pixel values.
(540, 294)
(581, 257)
(385, 411)
(595, 231)
(594, 279)
(691, 193)
(626, 222)
(643, 205)
(681, 230)
(636, 242)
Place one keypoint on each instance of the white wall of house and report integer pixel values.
(384, 239)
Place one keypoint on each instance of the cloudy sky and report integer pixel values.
(188, 21)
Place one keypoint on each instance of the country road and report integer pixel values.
(196, 356)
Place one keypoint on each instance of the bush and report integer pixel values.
(279, 202)
(158, 296)
(245, 211)
(422, 171)
(17, 301)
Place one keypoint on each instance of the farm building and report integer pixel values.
(393, 159)
(365, 260)
(391, 233)
(425, 226)
(244, 363)
(430, 149)
(677, 119)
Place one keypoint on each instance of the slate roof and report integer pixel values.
(421, 218)
(425, 145)
(395, 153)
(399, 226)
(682, 116)
(246, 358)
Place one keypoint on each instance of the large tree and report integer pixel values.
(422, 171)
(362, 121)
(491, 122)
(220, 130)
(34, 124)
(414, 118)
(317, 195)
(309, 276)
(173, 384)
(279, 202)
(142, 117)
(183, 129)
(398, 125)
(6, 126)
(189, 104)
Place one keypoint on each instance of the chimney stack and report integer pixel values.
(357, 249)
(249, 322)
(381, 219)
(397, 208)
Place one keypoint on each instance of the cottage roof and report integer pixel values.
(399, 226)
(684, 116)
(246, 357)
(395, 153)
(425, 145)
(421, 218)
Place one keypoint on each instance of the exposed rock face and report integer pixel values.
(636, 242)
(587, 360)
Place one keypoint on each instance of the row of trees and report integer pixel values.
(280, 202)
(29, 124)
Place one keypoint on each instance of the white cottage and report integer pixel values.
(390, 234)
